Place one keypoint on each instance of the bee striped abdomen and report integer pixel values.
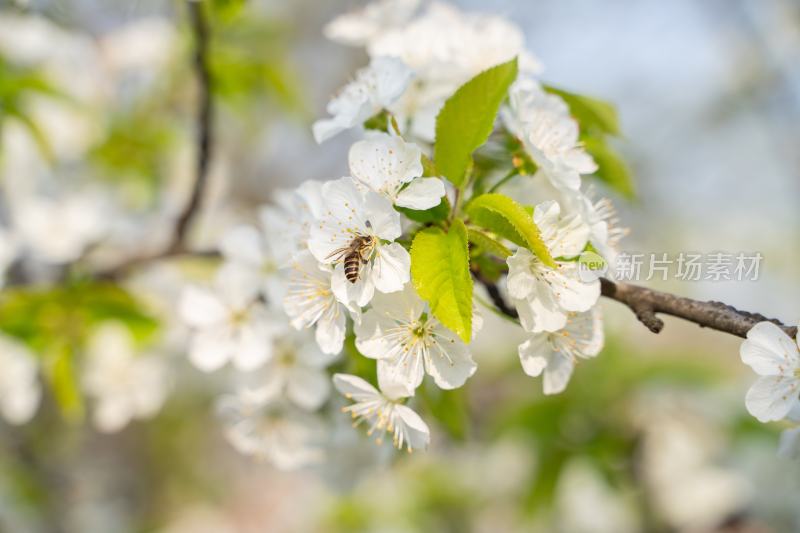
(352, 266)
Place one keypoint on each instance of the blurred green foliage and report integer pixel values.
(57, 322)
(18, 84)
(595, 420)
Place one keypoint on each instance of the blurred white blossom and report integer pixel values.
(297, 371)
(20, 390)
(229, 323)
(125, 385)
(261, 424)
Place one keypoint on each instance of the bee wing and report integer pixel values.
(339, 254)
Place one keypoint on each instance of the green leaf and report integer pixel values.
(487, 243)
(440, 271)
(489, 268)
(501, 215)
(429, 168)
(378, 122)
(611, 168)
(467, 119)
(592, 114)
(434, 214)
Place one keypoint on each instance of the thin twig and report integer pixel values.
(205, 114)
(204, 141)
(494, 294)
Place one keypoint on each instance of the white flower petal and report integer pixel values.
(307, 387)
(416, 430)
(422, 193)
(211, 348)
(449, 362)
(243, 244)
(392, 268)
(572, 293)
(769, 351)
(359, 293)
(400, 376)
(540, 314)
(200, 307)
(558, 372)
(254, 346)
(383, 219)
(534, 354)
(772, 397)
(237, 285)
(355, 388)
(384, 163)
(331, 330)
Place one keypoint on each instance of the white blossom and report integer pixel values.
(388, 165)
(556, 353)
(775, 357)
(282, 233)
(260, 424)
(249, 248)
(228, 323)
(445, 48)
(543, 123)
(58, 230)
(359, 27)
(287, 222)
(408, 341)
(310, 301)
(383, 411)
(351, 214)
(543, 295)
(297, 370)
(124, 384)
(376, 87)
(20, 390)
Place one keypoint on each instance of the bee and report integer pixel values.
(354, 255)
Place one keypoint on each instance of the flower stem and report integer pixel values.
(504, 179)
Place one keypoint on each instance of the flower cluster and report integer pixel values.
(339, 252)
(467, 172)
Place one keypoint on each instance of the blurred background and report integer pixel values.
(97, 102)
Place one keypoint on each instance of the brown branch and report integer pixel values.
(647, 303)
(205, 113)
(494, 294)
